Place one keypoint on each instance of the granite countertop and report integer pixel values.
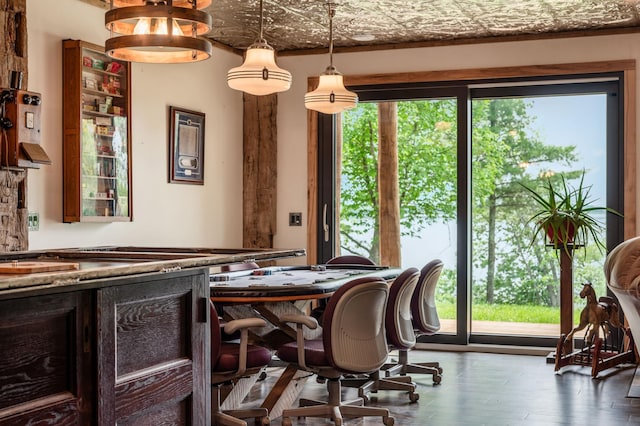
(119, 261)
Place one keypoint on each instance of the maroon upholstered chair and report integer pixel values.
(353, 342)
(350, 259)
(232, 361)
(400, 336)
(425, 321)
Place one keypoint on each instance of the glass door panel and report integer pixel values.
(426, 133)
(525, 141)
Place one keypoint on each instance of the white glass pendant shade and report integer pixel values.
(330, 97)
(259, 75)
(158, 32)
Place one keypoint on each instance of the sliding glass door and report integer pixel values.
(526, 136)
(453, 160)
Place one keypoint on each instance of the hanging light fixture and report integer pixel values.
(158, 31)
(330, 97)
(259, 75)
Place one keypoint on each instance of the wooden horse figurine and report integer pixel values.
(598, 313)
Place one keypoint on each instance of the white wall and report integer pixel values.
(164, 214)
(292, 145)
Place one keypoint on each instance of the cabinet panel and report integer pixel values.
(153, 350)
(97, 129)
(45, 361)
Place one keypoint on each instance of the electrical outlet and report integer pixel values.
(295, 219)
(33, 221)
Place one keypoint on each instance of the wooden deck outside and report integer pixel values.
(506, 328)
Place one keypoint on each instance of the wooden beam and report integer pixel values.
(13, 50)
(389, 187)
(260, 165)
(630, 155)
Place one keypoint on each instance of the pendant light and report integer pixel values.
(158, 31)
(259, 75)
(330, 97)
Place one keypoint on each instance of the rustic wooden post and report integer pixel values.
(260, 165)
(388, 187)
(13, 201)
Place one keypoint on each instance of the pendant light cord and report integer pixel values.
(332, 12)
(261, 21)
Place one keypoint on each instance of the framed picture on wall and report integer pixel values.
(186, 146)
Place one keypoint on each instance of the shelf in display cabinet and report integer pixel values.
(100, 114)
(100, 93)
(99, 177)
(100, 72)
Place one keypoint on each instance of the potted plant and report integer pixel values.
(565, 215)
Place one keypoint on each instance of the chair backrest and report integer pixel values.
(423, 302)
(353, 326)
(622, 272)
(398, 314)
(244, 266)
(350, 259)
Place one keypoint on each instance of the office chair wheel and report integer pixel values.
(414, 397)
(437, 379)
(264, 421)
(388, 421)
(286, 421)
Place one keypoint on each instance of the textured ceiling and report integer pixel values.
(296, 26)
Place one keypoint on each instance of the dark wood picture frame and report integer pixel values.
(186, 146)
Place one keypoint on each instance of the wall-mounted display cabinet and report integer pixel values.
(97, 135)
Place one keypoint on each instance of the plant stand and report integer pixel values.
(598, 357)
(566, 292)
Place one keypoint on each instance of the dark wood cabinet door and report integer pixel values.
(45, 360)
(153, 350)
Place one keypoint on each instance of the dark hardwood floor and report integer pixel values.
(495, 389)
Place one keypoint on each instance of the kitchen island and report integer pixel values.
(115, 335)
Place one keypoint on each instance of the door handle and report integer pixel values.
(325, 225)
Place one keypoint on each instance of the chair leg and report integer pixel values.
(233, 417)
(376, 383)
(335, 409)
(403, 367)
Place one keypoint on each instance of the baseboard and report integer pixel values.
(498, 349)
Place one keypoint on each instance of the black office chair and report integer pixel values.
(232, 361)
(353, 321)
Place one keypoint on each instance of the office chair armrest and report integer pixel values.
(243, 325)
(310, 322)
(300, 321)
(238, 324)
